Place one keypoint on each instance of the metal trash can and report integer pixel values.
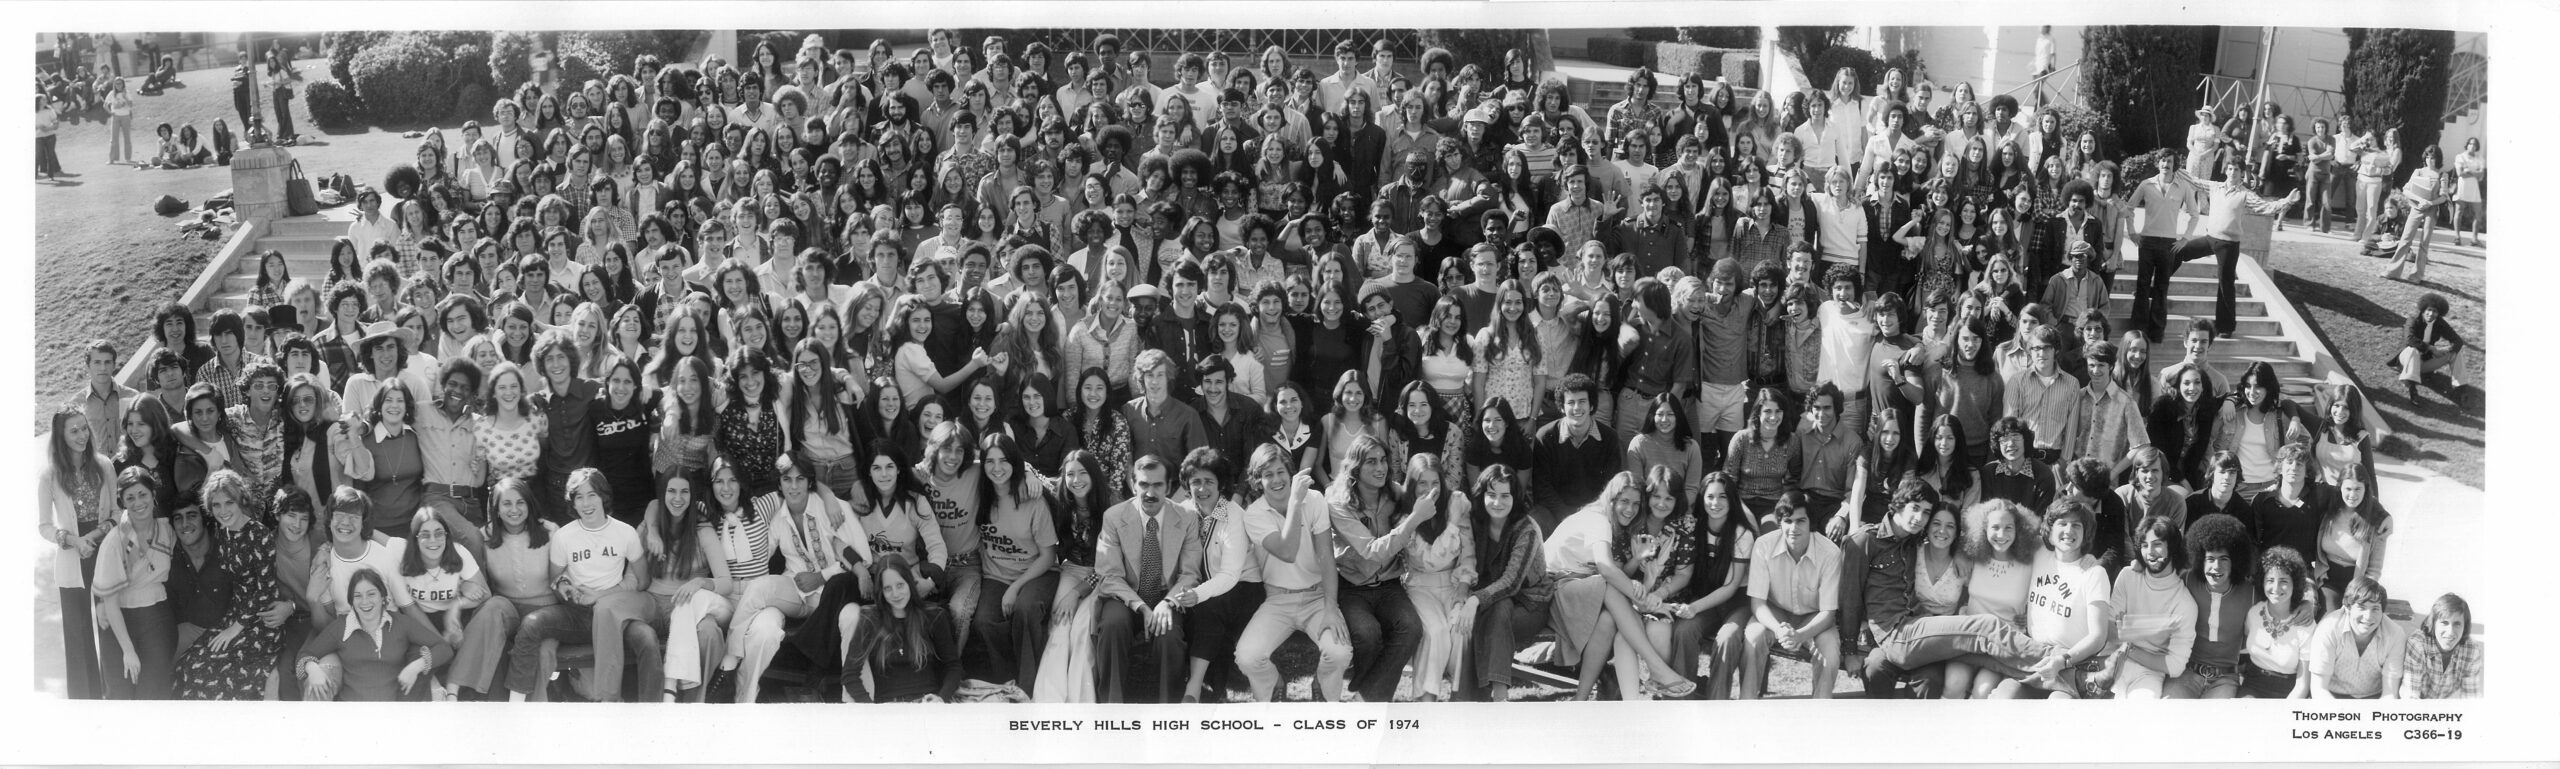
(258, 176)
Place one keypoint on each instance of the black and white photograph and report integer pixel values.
(1144, 382)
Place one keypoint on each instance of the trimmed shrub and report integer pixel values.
(510, 60)
(404, 81)
(2399, 78)
(579, 60)
(2144, 79)
(2077, 118)
(1684, 59)
(332, 105)
(786, 44)
(1826, 65)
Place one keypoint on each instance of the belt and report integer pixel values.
(450, 490)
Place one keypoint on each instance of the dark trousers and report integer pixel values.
(79, 642)
(1014, 640)
(1501, 627)
(1118, 627)
(1212, 629)
(244, 101)
(812, 647)
(297, 629)
(47, 162)
(154, 630)
(2151, 284)
(284, 113)
(1384, 632)
(2226, 291)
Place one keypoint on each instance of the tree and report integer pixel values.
(2143, 79)
(1485, 47)
(2398, 78)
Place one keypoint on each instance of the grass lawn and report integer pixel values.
(105, 262)
(2341, 294)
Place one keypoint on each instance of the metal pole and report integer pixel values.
(2266, 55)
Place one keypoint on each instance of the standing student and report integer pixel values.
(77, 496)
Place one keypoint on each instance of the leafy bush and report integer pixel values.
(2139, 167)
(579, 60)
(1484, 47)
(450, 39)
(2398, 78)
(617, 48)
(1712, 37)
(510, 60)
(471, 65)
(2144, 79)
(332, 105)
(404, 81)
(343, 47)
(2077, 118)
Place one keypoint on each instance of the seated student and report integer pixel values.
(1511, 586)
(2199, 355)
(372, 653)
(2218, 547)
(2155, 614)
(900, 649)
(1795, 599)
(596, 556)
(2280, 626)
(2356, 653)
(1712, 608)
(2443, 663)
(2070, 605)
(2429, 344)
(1149, 550)
(1287, 528)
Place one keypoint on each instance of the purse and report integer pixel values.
(298, 199)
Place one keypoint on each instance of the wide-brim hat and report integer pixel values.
(381, 331)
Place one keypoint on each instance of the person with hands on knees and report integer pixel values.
(596, 557)
(1288, 530)
(1149, 550)
(1019, 541)
(372, 654)
(1795, 599)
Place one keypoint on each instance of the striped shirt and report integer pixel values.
(747, 543)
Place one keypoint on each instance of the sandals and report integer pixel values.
(1674, 691)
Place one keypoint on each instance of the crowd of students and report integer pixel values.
(1012, 365)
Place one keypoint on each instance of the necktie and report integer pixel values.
(1150, 567)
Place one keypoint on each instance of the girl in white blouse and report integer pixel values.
(2279, 628)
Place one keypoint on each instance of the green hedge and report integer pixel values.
(1616, 52)
(510, 60)
(2399, 78)
(1684, 59)
(404, 80)
(343, 47)
(332, 105)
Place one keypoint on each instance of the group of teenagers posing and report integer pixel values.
(1440, 371)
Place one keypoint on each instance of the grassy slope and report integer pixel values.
(2360, 314)
(105, 262)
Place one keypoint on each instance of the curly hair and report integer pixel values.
(1977, 531)
(2286, 559)
(2219, 531)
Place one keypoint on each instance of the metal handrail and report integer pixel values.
(2468, 87)
(2233, 94)
(2051, 82)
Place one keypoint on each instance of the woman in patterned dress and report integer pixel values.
(232, 663)
(1509, 352)
(1439, 570)
(510, 435)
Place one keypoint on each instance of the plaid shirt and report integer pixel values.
(2430, 672)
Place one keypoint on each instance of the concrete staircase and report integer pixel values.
(304, 241)
(2255, 336)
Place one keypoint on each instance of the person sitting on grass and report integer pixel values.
(2428, 345)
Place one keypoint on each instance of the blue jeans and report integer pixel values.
(1385, 630)
(1922, 641)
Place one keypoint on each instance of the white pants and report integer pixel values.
(755, 629)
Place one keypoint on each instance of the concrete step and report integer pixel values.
(2118, 316)
(2181, 286)
(2175, 348)
(2287, 367)
(322, 224)
(2192, 307)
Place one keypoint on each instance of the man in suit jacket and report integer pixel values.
(1120, 561)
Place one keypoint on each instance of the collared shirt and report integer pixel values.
(2111, 423)
(2050, 405)
(1577, 223)
(2160, 200)
(1798, 584)
(1667, 358)
(2351, 671)
(1724, 338)
(1885, 567)
(2229, 201)
(1335, 88)
(449, 446)
(106, 412)
(2431, 672)
(1843, 228)
(1363, 553)
(355, 622)
(1830, 456)
(1169, 430)
(2075, 293)
(1573, 468)
(1264, 519)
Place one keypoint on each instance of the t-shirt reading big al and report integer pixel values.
(595, 558)
(2059, 600)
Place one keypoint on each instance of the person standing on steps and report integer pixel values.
(2226, 202)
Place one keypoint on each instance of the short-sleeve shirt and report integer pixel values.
(382, 558)
(1798, 584)
(1263, 519)
(438, 589)
(1014, 535)
(2353, 672)
(2061, 597)
(594, 558)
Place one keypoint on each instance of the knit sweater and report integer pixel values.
(2156, 613)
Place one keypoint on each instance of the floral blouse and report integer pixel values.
(513, 453)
